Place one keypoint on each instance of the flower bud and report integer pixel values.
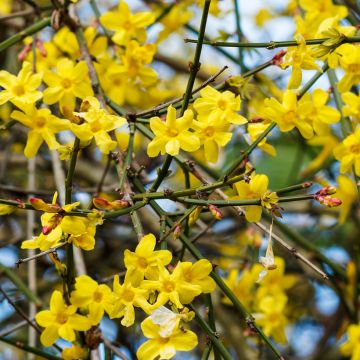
(104, 204)
(40, 204)
(177, 231)
(328, 190)
(328, 200)
(215, 211)
(52, 224)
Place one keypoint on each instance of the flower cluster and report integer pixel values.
(216, 111)
(150, 283)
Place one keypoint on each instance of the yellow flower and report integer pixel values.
(263, 16)
(350, 62)
(98, 298)
(212, 134)
(271, 317)
(320, 114)
(348, 152)
(174, 21)
(255, 130)
(164, 347)
(346, 191)
(352, 105)
(55, 224)
(66, 41)
(256, 188)
(276, 281)
(289, 114)
(198, 274)
(219, 106)
(75, 352)
(168, 320)
(243, 288)
(97, 125)
(351, 347)
(299, 57)
(43, 126)
(21, 89)
(133, 64)
(172, 287)
(144, 261)
(70, 81)
(328, 142)
(60, 321)
(126, 297)
(127, 25)
(172, 135)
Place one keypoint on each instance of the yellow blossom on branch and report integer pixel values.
(256, 188)
(60, 321)
(127, 25)
(126, 297)
(216, 105)
(320, 114)
(98, 298)
(289, 114)
(348, 153)
(164, 347)
(20, 89)
(97, 124)
(299, 57)
(43, 126)
(145, 260)
(212, 134)
(172, 287)
(352, 105)
(172, 135)
(70, 81)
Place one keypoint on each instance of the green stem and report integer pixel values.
(195, 65)
(70, 266)
(162, 173)
(30, 349)
(128, 157)
(24, 33)
(246, 202)
(211, 334)
(292, 188)
(239, 35)
(188, 192)
(272, 44)
(219, 49)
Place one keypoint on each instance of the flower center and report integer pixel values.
(66, 83)
(289, 116)
(209, 131)
(169, 286)
(128, 295)
(222, 104)
(127, 25)
(355, 149)
(98, 296)
(172, 132)
(61, 318)
(95, 126)
(142, 262)
(18, 90)
(40, 122)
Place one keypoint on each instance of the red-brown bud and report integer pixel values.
(104, 204)
(215, 211)
(40, 204)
